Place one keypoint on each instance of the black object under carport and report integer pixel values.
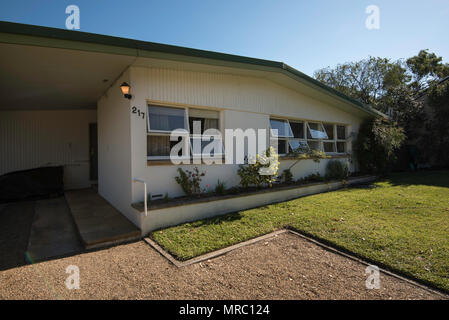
(32, 184)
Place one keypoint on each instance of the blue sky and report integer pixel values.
(307, 35)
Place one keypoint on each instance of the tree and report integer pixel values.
(393, 87)
(435, 143)
(426, 68)
(376, 143)
(366, 80)
(407, 111)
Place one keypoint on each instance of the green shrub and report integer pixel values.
(190, 181)
(220, 188)
(314, 177)
(376, 143)
(287, 176)
(250, 173)
(335, 169)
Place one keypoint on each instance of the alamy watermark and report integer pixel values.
(372, 22)
(72, 22)
(239, 147)
(73, 280)
(373, 279)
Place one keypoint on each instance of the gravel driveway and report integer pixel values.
(284, 267)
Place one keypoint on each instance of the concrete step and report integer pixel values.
(98, 222)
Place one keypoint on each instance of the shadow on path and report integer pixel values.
(16, 220)
(33, 231)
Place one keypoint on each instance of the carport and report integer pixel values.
(48, 115)
(48, 108)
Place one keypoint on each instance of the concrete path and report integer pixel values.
(53, 233)
(99, 224)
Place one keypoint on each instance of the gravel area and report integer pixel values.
(284, 267)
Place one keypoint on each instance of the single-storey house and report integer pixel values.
(62, 104)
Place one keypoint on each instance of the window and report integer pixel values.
(163, 120)
(341, 147)
(207, 118)
(329, 147)
(341, 132)
(290, 136)
(298, 129)
(281, 147)
(341, 139)
(314, 145)
(336, 142)
(303, 136)
(329, 128)
(206, 148)
(316, 131)
(283, 128)
(299, 146)
(166, 119)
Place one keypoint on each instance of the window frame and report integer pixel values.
(186, 120)
(335, 139)
(189, 136)
(278, 136)
(307, 140)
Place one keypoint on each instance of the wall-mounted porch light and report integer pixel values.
(125, 90)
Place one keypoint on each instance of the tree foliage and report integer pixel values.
(366, 80)
(426, 68)
(376, 143)
(393, 87)
(436, 139)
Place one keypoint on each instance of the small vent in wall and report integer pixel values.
(157, 196)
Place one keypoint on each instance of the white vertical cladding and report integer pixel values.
(247, 102)
(31, 139)
(139, 89)
(239, 93)
(114, 150)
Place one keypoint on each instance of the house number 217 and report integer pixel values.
(138, 112)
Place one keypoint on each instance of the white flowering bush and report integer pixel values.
(261, 171)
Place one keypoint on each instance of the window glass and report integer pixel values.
(341, 147)
(298, 129)
(283, 128)
(281, 147)
(316, 131)
(314, 145)
(329, 130)
(329, 146)
(299, 146)
(341, 132)
(160, 146)
(166, 119)
(197, 146)
(209, 119)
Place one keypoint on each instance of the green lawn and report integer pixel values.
(402, 223)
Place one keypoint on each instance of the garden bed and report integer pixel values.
(239, 192)
(162, 213)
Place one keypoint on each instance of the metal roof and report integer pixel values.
(102, 43)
